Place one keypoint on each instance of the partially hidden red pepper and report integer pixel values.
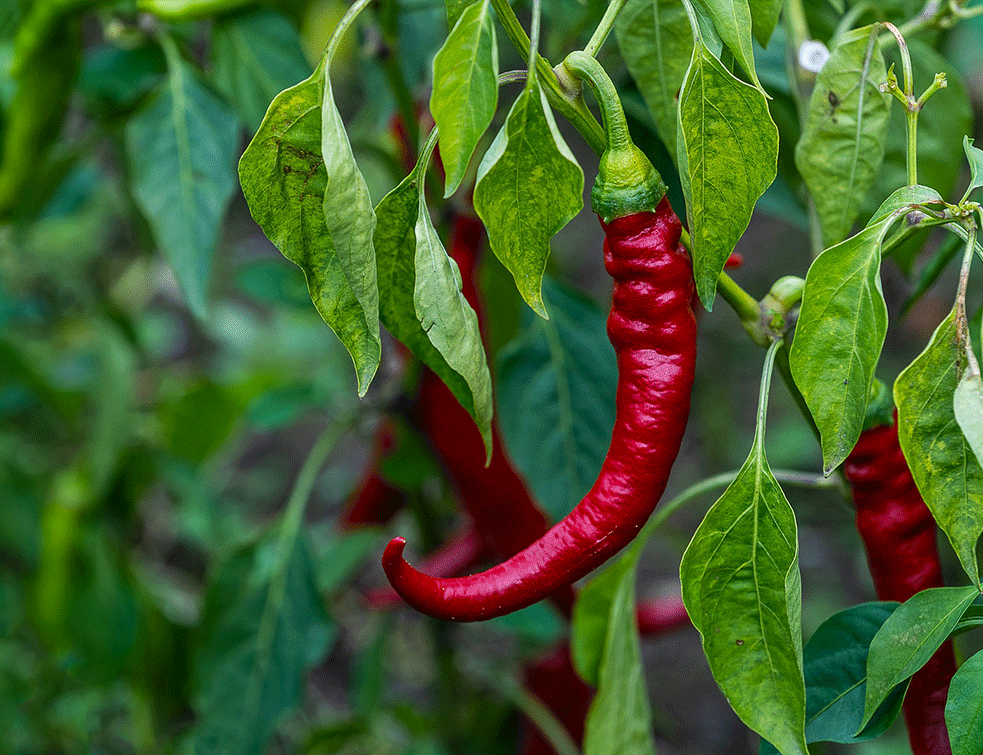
(555, 682)
(899, 535)
(496, 497)
(653, 331)
(376, 501)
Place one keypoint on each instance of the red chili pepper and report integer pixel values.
(460, 553)
(654, 334)
(559, 687)
(653, 331)
(898, 533)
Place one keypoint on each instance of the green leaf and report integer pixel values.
(182, 153)
(592, 618)
(764, 14)
(732, 20)
(284, 181)
(349, 214)
(721, 121)
(400, 256)
(835, 662)
(842, 147)
(947, 473)
(448, 320)
(529, 186)
(656, 42)
(742, 589)
(841, 329)
(256, 56)
(264, 627)
(465, 89)
(964, 708)
(910, 637)
(556, 393)
(974, 156)
(620, 719)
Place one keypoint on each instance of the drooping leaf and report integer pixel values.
(182, 153)
(398, 257)
(556, 388)
(910, 637)
(732, 20)
(529, 186)
(448, 320)
(841, 329)
(974, 156)
(348, 211)
(835, 662)
(656, 43)
(742, 590)
(257, 55)
(264, 628)
(465, 89)
(945, 469)
(619, 720)
(964, 708)
(842, 147)
(284, 180)
(721, 120)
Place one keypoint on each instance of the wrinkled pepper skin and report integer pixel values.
(653, 331)
(899, 535)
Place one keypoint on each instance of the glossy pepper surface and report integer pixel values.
(653, 331)
(899, 535)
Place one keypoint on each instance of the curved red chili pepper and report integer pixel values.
(653, 331)
(899, 535)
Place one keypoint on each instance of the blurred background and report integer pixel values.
(163, 382)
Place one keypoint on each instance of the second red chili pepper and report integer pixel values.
(899, 535)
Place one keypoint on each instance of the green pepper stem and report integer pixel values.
(585, 67)
(566, 103)
(747, 309)
(604, 27)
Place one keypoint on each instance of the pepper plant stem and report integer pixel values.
(604, 27)
(570, 106)
(747, 309)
